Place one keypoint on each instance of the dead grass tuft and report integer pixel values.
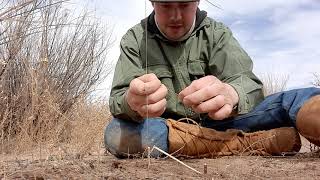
(274, 83)
(88, 121)
(316, 81)
(51, 60)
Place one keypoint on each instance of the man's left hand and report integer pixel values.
(210, 95)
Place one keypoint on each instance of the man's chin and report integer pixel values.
(175, 37)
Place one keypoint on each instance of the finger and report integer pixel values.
(140, 87)
(194, 86)
(222, 113)
(137, 87)
(153, 109)
(160, 94)
(140, 100)
(137, 100)
(148, 77)
(203, 94)
(152, 83)
(197, 85)
(210, 105)
(158, 114)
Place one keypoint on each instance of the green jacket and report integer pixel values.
(210, 50)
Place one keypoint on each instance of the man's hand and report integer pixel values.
(210, 95)
(147, 96)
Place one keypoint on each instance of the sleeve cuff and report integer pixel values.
(243, 104)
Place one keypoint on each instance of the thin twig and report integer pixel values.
(155, 147)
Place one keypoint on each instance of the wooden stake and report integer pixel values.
(205, 169)
(149, 160)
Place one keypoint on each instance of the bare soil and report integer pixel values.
(60, 165)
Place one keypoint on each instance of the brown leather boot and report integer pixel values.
(193, 141)
(308, 120)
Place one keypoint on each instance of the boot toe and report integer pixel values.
(308, 120)
(288, 140)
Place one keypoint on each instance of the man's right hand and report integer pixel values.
(147, 96)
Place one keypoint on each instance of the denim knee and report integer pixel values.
(126, 138)
(294, 99)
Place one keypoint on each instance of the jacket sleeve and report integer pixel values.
(127, 68)
(232, 65)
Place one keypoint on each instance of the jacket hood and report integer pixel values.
(153, 29)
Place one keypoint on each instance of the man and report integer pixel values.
(179, 63)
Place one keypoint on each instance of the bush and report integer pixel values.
(49, 60)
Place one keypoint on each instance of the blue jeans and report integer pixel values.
(123, 138)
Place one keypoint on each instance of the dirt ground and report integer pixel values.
(59, 165)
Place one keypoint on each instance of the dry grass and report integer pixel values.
(316, 81)
(50, 61)
(79, 131)
(88, 123)
(274, 83)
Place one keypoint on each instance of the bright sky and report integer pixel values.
(282, 37)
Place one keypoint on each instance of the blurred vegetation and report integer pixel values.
(316, 81)
(50, 58)
(274, 83)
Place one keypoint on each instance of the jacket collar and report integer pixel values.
(154, 31)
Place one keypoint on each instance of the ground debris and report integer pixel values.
(109, 167)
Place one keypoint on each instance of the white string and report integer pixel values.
(214, 4)
(146, 66)
(147, 99)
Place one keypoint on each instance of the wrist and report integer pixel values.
(127, 99)
(234, 96)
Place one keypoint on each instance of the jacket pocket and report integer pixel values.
(196, 69)
(163, 74)
(161, 71)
